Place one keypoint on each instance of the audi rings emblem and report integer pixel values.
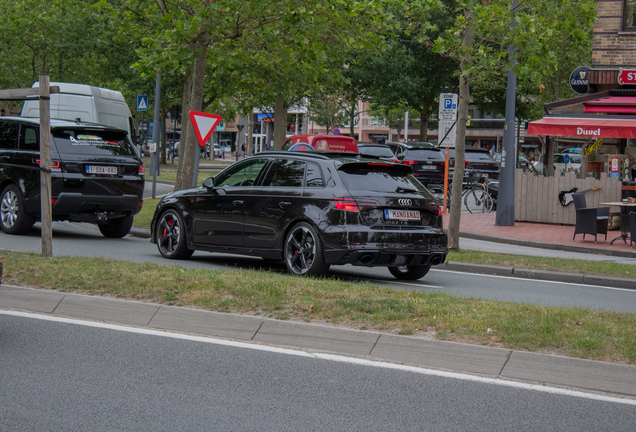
(405, 202)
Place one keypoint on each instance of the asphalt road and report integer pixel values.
(58, 376)
(85, 240)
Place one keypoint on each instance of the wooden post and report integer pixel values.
(45, 166)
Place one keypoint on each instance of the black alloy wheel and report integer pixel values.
(116, 228)
(303, 251)
(171, 236)
(13, 216)
(410, 272)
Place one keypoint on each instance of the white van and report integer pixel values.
(87, 103)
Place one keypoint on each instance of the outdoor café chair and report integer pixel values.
(589, 220)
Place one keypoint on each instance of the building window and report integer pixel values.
(629, 15)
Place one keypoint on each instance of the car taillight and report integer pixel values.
(409, 162)
(54, 164)
(358, 205)
(434, 207)
(396, 160)
(141, 204)
(142, 169)
(466, 163)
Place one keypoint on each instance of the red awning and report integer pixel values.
(613, 105)
(583, 127)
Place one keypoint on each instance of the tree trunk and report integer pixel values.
(280, 122)
(191, 145)
(424, 116)
(250, 133)
(185, 122)
(462, 119)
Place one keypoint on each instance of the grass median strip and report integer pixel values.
(567, 331)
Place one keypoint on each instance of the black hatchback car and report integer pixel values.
(96, 175)
(310, 210)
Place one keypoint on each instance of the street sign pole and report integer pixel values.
(155, 132)
(447, 121)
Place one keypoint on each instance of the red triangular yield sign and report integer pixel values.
(204, 124)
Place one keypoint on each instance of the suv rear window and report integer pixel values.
(478, 156)
(425, 154)
(92, 142)
(379, 178)
(375, 151)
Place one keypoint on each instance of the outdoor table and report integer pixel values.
(625, 207)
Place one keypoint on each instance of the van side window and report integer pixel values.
(29, 138)
(8, 135)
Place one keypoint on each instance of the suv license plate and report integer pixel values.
(413, 215)
(92, 169)
(429, 167)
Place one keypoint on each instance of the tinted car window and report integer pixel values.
(473, 156)
(92, 142)
(314, 176)
(29, 138)
(379, 178)
(8, 135)
(424, 154)
(243, 174)
(376, 151)
(285, 173)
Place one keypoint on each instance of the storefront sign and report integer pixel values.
(579, 79)
(589, 149)
(626, 76)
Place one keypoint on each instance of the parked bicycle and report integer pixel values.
(476, 197)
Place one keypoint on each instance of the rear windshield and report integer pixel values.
(92, 142)
(425, 154)
(376, 151)
(380, 178)
(477, 156)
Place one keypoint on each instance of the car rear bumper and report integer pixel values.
(93, 208)
(386, 247)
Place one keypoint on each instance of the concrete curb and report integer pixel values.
(499, 363)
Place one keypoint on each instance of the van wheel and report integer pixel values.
(410, 272)
(116, 228)
(13, 216)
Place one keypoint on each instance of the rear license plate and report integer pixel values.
(429, 167)
(402, 214)
(92, 169)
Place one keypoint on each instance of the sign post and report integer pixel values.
(448, 132)
(203, 125)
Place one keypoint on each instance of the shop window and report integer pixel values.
(629, 15)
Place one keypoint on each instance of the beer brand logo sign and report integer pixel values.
(579, 80)
(626, 76)
(588, 132)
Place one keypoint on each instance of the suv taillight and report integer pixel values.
(142, 169)
(55, 165)
(409, 162)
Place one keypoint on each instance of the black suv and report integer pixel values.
(96, 175)
(310, 211)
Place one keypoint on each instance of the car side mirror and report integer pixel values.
(208, 182)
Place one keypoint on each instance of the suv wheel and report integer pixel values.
(303, 251)
(171, 236)
(410, 272)
(117, 228)
(13, 216)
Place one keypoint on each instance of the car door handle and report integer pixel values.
(237, 202)
(284, 204)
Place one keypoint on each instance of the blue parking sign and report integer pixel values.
(448, 103)
(142, 102)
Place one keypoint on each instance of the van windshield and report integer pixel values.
(92, 142)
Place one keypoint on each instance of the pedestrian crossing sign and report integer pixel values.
(142, 102)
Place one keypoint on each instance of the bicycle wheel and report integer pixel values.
(478, 201)
(438, 192)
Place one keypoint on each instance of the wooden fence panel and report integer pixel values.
(537, 197)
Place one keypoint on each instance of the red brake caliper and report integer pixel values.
(165, 231)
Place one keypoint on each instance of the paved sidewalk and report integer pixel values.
(505, 364)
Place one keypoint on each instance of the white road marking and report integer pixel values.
(330, 357)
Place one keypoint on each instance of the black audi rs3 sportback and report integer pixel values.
(310, 210)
